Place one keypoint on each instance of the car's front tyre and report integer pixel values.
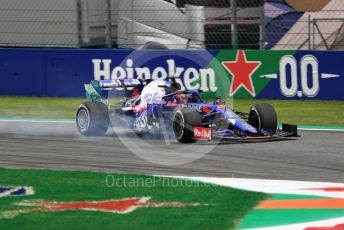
(184, 120)
(263, 117)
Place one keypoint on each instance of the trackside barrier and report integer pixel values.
(238, 74)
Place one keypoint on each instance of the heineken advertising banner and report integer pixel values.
(239, 74)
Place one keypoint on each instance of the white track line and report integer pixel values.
(36, 121)
(275, 186)
(319, 129)
(326, 224)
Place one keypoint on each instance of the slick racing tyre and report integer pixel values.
(92, 119)
(184, 120)
(263, 117)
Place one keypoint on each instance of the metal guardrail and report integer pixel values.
(107, 23)
(318, 39)
(210, 24)
(328, 39)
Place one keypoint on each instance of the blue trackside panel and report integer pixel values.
(69, 70)
(22, 72)
(319, 75)
(63, 72)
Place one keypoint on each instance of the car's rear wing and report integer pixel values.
(95, 89)
(110, 84)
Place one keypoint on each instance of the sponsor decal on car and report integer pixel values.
(202, 133)
(139, 108)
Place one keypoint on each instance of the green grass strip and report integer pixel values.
(226, 206)
(308, 113)
(313, 127)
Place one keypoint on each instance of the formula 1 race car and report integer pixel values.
(161, 106)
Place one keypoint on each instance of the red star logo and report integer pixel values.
(242, 71)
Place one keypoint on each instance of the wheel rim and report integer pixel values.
(83, 119)
(254, 119)
(178, 126)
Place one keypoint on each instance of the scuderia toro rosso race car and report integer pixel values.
(160, 106)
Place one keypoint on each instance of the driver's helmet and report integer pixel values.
(182, 98)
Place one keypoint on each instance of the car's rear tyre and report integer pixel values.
(184, 120)
(263, 117)
(92, 119)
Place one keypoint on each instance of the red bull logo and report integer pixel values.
(202, 133)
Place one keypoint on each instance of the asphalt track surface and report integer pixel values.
(316, 156)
